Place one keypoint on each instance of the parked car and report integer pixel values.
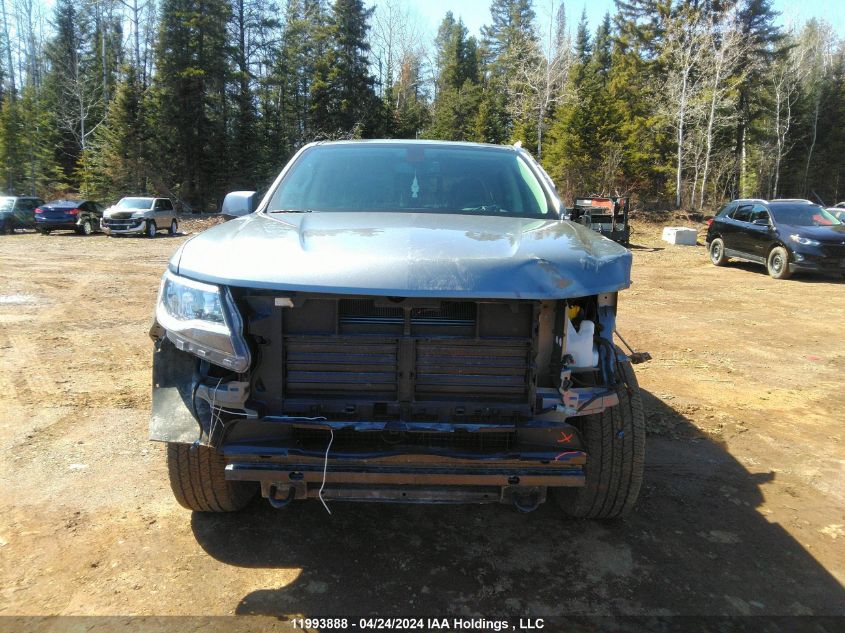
(17, 212)
(838, 211)
(406, 321)
(82, 216)
(784, 235)
(140, 215)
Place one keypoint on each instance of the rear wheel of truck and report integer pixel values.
(198, 481)
(615, 445)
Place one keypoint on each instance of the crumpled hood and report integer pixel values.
(408, 255)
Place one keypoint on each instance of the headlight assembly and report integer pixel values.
(202, 319)
(804, 241)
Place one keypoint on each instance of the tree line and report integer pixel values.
(679, 103)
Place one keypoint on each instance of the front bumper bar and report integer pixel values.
(123, 227)
(408, 478)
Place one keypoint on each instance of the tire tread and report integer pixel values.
(614, 470)
(198, 482)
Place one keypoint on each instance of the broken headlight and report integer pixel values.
(202, 319)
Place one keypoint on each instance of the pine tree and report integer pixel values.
(757, 23)
(11, 133)
(252, 27)
(191, 102)
(74, 82)
(458, 93)
(510, 53)
(409, 110)
(27, 139)
(118, 161)
(583, 45)
(343, 98)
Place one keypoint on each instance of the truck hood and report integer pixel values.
(407, 255)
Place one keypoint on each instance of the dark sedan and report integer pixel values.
(784, 235)
(81, 216)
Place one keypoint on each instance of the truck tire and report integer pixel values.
(615, 445)
(151, 228)
(198, 482)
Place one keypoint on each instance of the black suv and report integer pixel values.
(17, 212)
(784, 235)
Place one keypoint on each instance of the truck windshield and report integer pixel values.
(135, 203)
(413, 178)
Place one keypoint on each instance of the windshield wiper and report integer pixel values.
(484, 208)
(291, 211)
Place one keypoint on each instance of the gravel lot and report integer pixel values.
(743, 510)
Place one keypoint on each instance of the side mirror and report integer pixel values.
(761, 222)
(238, 203)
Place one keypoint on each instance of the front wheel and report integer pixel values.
(778, 263)
(151, 229)
(717, 252)
(198, 481)
(615, 445)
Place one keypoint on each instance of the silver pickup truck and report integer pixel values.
(140, 215)
(396, 321)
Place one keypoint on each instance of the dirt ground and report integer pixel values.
(742, 512)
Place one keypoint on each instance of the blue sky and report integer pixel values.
(475, 13)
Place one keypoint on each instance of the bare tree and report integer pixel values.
(8, 43)
(395, 39)
(819, 39)
(81, 98)
(787, 74)
(727, 48)
(541, 77)
(141, 17)
(556, 63)
(685, 45)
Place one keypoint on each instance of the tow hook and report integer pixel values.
(524, 498)
(280, 503)
(527, 503)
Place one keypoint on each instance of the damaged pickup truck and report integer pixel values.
(398, 321)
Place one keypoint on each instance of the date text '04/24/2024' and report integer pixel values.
(421, 624)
